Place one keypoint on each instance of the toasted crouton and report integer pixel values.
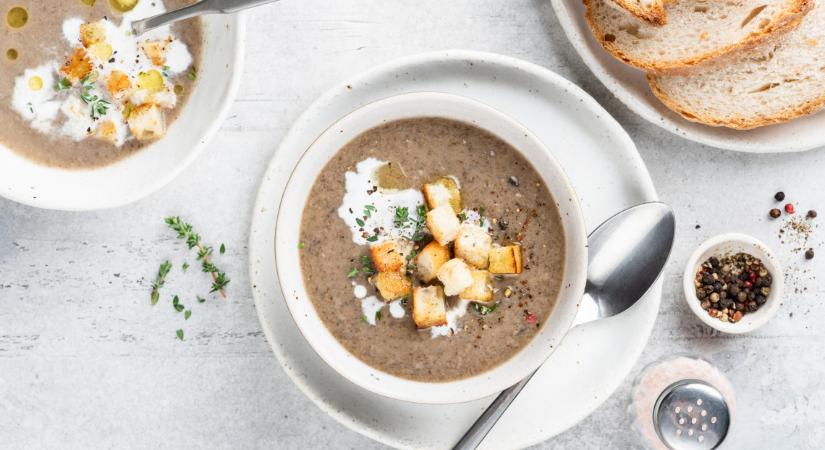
(506, 259)
(473, 245)
(155, 51)
(146, 122)
(482, 288)
(392, 285)
(391, 256)
(428, 307)
(118, 83)
(455, 275)
(107, 131)
(431, 258)
(92, 33)
(78, 66)
(443, 224)
(443, 191)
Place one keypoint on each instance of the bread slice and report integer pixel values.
(651, 11)
(770, 84)
(697, 30)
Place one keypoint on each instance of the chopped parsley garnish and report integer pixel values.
(377, 315)
(368, 210)
(223, 249)
(484, 310)
(179, 334)
(185, 266)
(192, 74)
(200, 299)
(187, 314)
(359, 222)
(462, 216)
(402, 215)
(419, 234)
(97, 105)
(62, 84)
(366, 268)
(372, 238)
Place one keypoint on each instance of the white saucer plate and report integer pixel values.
(630, 87)
(604, 168)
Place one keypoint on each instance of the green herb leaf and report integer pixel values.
(301, 245)
(402, 215)
(192, 74)
(483, 309)
(187, 314)
(372, 238)
(177, 305)
(200, 299)
(185, 266)
(352, 273)
(62, 85)
(368, 210)
(222, 249)
(462, 217)
(359, 222)
(179, 334)
(160, 280)
(377, 315)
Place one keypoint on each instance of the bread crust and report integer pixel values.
(738, 123)
(781, 23)
(654, 16)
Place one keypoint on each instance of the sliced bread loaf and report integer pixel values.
(772, 83)
(696, 31)
(651, 11)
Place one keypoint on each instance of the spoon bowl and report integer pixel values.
(626, 255)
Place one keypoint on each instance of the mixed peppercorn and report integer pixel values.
(730, 287)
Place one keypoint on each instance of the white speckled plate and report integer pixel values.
(630, 87)
(604, 168)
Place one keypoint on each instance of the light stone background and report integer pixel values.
(85, 362)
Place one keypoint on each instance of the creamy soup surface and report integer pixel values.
(501, 193)
(79, 90)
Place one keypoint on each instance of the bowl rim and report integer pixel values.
(155, 184)
(447, 392)
(738, 241)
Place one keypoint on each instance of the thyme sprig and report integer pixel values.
(97, 105)
(193, 241)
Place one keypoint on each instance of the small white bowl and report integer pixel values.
(732, 243)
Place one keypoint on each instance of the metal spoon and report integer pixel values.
(626, 255)
(200, 8)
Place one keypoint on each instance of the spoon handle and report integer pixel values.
(197, 9)
(482, 426)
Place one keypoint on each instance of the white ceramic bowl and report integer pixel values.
(287, 234)
(153, 167)
(725, 244)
